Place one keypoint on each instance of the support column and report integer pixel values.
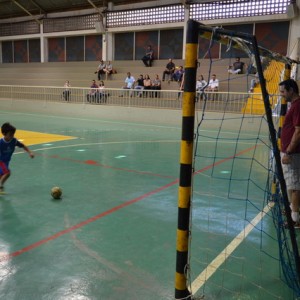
(104, 47)
(44, 51)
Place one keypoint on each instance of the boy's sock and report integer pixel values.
(295, 216)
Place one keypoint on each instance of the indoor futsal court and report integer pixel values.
(113, 234)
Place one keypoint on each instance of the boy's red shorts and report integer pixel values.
(3, 168)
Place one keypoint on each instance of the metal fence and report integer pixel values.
(164, 99)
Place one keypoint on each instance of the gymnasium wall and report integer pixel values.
(132, 45)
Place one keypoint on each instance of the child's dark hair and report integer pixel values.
(7, 127)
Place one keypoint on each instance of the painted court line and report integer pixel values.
(90, 220)
(221, 258)
(114, 209)
(33, 137)
(113, 122)
(99, 164)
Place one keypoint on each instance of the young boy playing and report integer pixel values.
(7, 148)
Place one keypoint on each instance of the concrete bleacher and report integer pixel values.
(80, 74)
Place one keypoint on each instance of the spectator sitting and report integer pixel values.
(181, 89)
(148, 58)
(177, 76)
(129, 83)
(92, 95)
(213, 85)
(156, 85)
(200, 86)
(170, 68)
(254, 82)
(147, 84)
(102, 94)
(140, 85)
(100, 69)
(237, 67)
(66, 92)
(108, 69)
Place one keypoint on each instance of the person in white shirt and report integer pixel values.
(213, 85)
(254, 82)
(66, 92)
(100, 69)
(102, 94)
(200, 86)
(108, 69)
(200, 83)
(129, 83)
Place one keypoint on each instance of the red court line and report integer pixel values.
(114, 209)
(92, 219)
(225, 159)
(97, 164)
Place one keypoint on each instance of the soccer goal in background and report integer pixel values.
(232, 238)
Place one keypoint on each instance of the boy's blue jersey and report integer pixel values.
(7, 149)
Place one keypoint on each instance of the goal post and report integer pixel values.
(186, 161)
(248, 43)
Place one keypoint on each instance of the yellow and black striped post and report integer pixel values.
(186, 161)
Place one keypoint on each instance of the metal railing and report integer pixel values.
(164, 99)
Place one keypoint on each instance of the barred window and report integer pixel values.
(21, 28)
(71, 23)
(237, 8)
(147, 16)
(210, 10)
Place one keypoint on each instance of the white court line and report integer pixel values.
(121, 123)
(120, 142)
(220, 259)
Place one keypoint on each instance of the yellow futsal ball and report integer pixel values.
(56, 192)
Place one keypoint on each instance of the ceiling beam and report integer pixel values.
(23, 8)
(38, 6)
(98, 9)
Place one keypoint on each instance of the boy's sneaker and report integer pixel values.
(296, 225)
(1, 190)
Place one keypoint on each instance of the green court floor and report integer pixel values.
(113, 233)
